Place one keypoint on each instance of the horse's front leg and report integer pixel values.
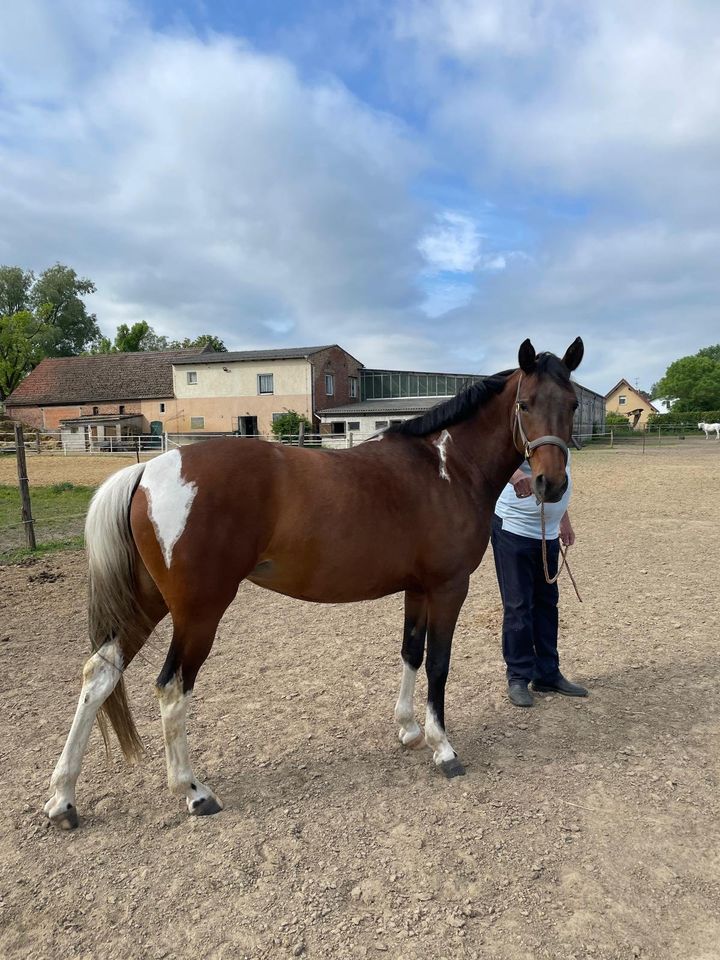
(413, 648)
(443, 609)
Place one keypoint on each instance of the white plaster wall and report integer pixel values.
(290, 378)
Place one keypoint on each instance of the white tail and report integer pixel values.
(113, 611)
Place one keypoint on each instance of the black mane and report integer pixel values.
(464, 404)
(457, 408)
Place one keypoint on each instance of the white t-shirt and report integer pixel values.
(521, 515)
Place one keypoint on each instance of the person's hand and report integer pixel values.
(567, 534)
(522, 487)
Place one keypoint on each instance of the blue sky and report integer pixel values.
(426, 183)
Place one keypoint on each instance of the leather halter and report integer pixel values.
(528, 446)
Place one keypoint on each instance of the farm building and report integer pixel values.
(109, 386)
(101, 399)
(182, 391)
(243, 392)
(635, 404)
(389, 396)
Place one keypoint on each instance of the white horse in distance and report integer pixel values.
(709, 428)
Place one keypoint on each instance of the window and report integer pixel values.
(329, 384)
(379, 424)
(96, 411)
(338, 427)
(265, 383)
(197, 423)
(353, 388)
(191, 376)
(622, 399)
(393, 422)
(276, 417)
(121, 408)
(162, 408)
(354, 425)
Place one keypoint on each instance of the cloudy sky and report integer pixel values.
(425, 183)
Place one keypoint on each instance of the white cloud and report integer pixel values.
(453, 243)
(205, 186)
(614, 97)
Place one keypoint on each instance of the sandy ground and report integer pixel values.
(582, 829)
(46, 469)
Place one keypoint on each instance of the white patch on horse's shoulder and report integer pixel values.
(169, 499)
(441, 444)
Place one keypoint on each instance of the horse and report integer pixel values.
(708, 428)
(409, 510)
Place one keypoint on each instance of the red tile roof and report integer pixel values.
(101, 378)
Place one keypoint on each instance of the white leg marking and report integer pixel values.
(410, 733)
(169, 499)
(436, 738)
(100, 675)
(441, 443)
(173, 710)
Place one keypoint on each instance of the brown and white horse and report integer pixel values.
(409, 511)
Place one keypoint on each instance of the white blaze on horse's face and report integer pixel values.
(169, 499)
(441, 443)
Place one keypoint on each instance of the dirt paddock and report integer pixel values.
(582, 829)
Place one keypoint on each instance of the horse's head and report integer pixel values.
(543, 415)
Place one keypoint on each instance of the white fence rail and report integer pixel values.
(61, 443)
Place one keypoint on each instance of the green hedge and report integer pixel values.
(692, 418)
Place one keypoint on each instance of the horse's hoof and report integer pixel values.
(65, 819)
(206, 807)
(452, 768)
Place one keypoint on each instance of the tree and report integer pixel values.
(288, 424)
(55, 299)
(204, 340)
(612, 418)
(22, 343)
(141, 336)
(693, 383)
(40, 317)
(15, 284)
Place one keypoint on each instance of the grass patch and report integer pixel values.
(43, 549)
(58, 511)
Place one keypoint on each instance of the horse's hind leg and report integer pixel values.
(101, 675)
(413, 648)
(192, 639)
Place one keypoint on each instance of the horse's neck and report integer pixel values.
(484, 444)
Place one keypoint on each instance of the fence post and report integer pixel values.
(24, 487)
(37, 441)
(165, 442)
(301, 434)
(644, 435)
(611, 437)
(659, 438)
(350, 441)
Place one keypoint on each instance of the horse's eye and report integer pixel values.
(576, 405)
(523, 406)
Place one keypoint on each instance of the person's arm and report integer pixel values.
(522, 484)
(567, 534)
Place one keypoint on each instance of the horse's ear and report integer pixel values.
(526, 357)
(574, 354)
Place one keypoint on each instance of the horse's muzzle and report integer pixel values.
(548, 492)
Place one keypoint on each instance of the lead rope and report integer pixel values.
(564, 553)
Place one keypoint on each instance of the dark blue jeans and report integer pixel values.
(530, 619)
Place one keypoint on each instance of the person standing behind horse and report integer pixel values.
(530, 613)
